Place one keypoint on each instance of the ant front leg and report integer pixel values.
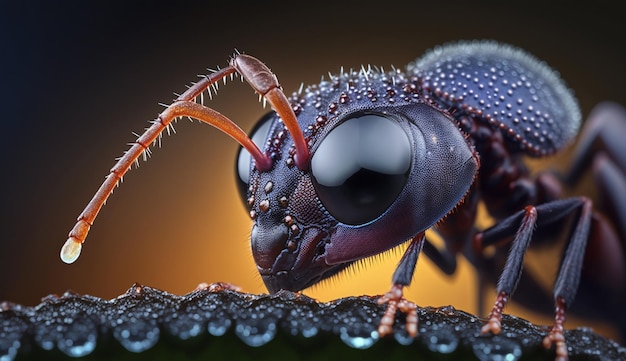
(395, 298)
(521, 225)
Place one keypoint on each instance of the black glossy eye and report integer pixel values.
(242, 167)
(361, 167)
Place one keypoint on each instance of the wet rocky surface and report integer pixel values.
(217, 323)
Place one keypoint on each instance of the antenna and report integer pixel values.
(260, 78)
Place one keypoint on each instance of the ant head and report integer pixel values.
(384, 165)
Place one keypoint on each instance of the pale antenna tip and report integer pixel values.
(70, 250)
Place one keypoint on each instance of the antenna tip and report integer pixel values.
(70, 250)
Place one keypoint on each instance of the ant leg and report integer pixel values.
(601, 151)
(611, 185)
(571, 266)
(601, 147)
(603, 132)
(444, 260)
(394, 298)
(569, 277)
(513, 267)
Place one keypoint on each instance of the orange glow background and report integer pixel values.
(80, 80)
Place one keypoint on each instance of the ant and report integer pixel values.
(368, 160)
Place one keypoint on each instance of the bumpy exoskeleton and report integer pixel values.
(370, 159)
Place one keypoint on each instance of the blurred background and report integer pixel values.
(78, 79)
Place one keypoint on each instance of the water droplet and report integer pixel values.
(137, 335)
(185, 326)
(218, 327)
(256, 332)
(403, 337)
(11, 331)
(8, 349)
(442, 340)
(78, 347)
(45, 338)
(79, 339)
(443, 343)
(497, 349)
(301, 322)
(309, 332)
(358, 342)
(70, 250)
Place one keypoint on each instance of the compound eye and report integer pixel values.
(259, 137)
(361, 166)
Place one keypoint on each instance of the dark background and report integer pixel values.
(78, 78)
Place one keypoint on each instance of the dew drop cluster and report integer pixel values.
(78, 325)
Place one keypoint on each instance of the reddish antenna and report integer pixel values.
(260, 78)
(264, 82)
